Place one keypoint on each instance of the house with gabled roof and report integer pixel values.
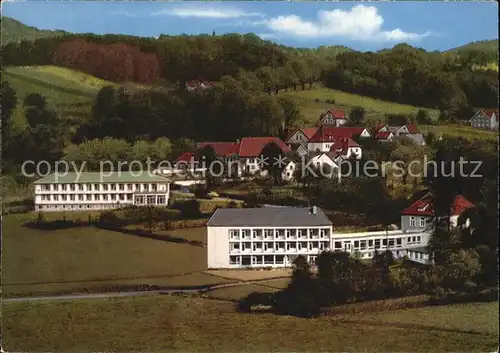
(485, 119)
(332, 118)
(386, 133)
(245, 154)
(384, 136)
(341, 139)
(419, 215)
(398, 130)
(300, 135)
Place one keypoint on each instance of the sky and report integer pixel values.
(359, 25)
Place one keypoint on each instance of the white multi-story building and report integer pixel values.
(96, 191)
(275, 236)
(266, 237)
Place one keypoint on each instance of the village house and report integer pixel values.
(245, 155)
(326, 161)
(419, 215)
(484, 119)
(300, 136)
(332, 118)
(98, 191)
(198, 85)
(386, 133)
(338, 140)
(384, 136)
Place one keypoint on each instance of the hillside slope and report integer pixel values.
(315, 101)
(15, 31)
(482, 45)
(69, 92)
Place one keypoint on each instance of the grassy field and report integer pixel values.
(235, 293)
(37, 261)
(69, 92)
(375, 108)
(459, 131)
(189, 323)
(250, 275)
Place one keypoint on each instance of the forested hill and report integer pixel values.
(487, 46)
(15, 31)
(402, 74)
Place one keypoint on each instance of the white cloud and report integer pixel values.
(360, 23)
(202, 11)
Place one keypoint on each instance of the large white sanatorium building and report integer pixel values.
(275, 236)
(97, 191)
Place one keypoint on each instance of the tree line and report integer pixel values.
(413, 76)
(236, 107)
(170, 58)
(402, 74)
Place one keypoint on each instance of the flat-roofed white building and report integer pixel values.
(399, 242)
(275, 236)
(266, 237)
(97, 191)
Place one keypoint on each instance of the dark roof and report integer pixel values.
(268, 217)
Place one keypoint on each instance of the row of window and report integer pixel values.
(88, 197)
(417, 255)
(103, 187)
(377, 243)
(248, 260)
(150, 200)
(279, 246)
(74, 207)
(139, 199)
(247, 234)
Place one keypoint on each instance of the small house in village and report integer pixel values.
(198, 85)
(332, 118)
(484, 119)
(419, 215)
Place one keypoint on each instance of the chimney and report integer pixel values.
(314, 210)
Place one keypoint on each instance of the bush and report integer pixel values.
(188, 209)
(109, 219)
(201, 193)
(330, 101)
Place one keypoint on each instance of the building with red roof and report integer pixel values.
(326, 137)
(332, 118)
(300, 135)
(220, 148)
(245, 153)
(420, 213)
(347, 148)
(485, 119)
(384, 136)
